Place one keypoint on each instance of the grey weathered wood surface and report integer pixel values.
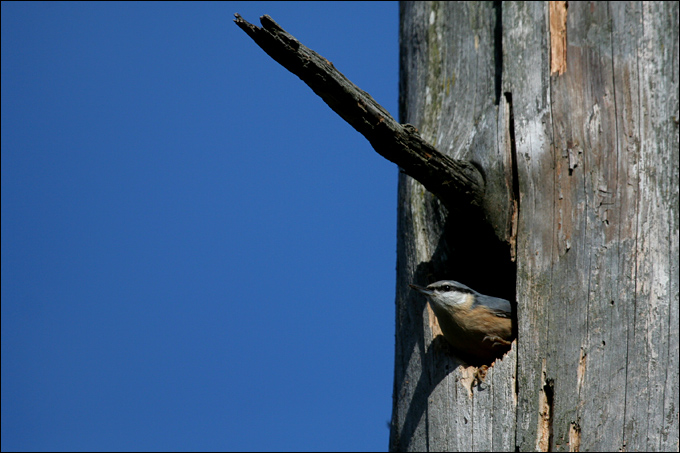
(596, 362)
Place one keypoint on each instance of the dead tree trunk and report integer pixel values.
(571, 115)
(550, 138)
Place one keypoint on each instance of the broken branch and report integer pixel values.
(458, 184)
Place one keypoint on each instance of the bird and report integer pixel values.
(479, 327)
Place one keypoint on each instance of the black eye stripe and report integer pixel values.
(447, 288)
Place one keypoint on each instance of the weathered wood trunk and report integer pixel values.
(572, 116)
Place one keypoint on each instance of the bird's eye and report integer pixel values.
(446, 287)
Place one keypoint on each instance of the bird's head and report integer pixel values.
(446, 293)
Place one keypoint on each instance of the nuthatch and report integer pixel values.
(476, 325)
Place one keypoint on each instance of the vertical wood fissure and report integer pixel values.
(515, 227)
(549, 400)
(618, 128)
(641, 169)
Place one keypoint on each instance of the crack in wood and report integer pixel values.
(574, 437)
(544, 437)
(515, 178)
(498, 50)
(546, 412)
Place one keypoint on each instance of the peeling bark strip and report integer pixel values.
(458, 184)
(558, 38)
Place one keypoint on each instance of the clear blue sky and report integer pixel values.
(197, 253)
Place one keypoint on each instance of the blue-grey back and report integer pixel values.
(500, 307)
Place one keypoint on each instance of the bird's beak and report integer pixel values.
(422, 290)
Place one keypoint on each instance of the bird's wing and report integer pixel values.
(499, 307)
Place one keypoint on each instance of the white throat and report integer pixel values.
(454, 298)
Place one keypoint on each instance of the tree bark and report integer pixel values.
(572, 115)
